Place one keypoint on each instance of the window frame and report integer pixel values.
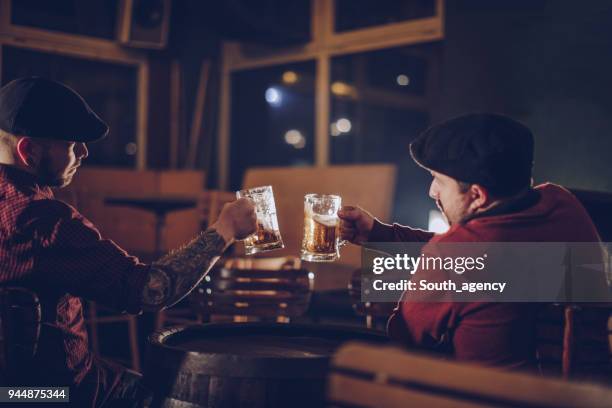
(324, 45)
(84, 47)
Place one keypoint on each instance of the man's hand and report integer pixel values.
(237, 220)
(355, 224)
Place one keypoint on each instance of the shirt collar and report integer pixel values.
(23, 180)
(521, 203)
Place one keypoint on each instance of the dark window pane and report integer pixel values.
(95, 18)
(110, 90)
(400, 71)
(355, 14)
(270, 22)
(380, 102)
(272, 118)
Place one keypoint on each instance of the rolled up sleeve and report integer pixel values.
(71, 255)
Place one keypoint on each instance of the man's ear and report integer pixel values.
(27, 152)
(479, 197)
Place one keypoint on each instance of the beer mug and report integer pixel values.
(267, 236)
(321, 242)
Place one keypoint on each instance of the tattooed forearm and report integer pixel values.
(172, 277)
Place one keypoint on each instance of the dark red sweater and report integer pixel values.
(501, 334)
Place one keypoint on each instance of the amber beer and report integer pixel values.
(321, 239)
(267, 236)
(320, 233)
(263, 236)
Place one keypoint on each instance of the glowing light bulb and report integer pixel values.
(290, 77)
(403, 80)
(344, 125)
(295, 138)
(340, 88)
(273, 96)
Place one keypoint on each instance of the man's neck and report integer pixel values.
(8, 160)
(517, 202)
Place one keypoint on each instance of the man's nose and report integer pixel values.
(433, 191)
(82, 152)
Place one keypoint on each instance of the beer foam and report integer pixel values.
(327, 220)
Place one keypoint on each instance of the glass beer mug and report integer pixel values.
(267, 236)
(321, 242)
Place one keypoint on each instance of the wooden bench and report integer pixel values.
(373, 376)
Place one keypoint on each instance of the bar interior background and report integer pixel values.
(197, 92)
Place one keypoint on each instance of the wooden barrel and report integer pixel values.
(245, 364)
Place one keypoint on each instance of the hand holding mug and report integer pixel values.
(355, 224)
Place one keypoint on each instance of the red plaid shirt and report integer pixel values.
(47, 246)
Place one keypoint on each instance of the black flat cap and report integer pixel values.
(46, 109)
(492, 150)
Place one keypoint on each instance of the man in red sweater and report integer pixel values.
(481, 167)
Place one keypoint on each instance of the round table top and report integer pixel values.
(267, 340)
(159, 204)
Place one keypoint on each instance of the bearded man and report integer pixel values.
(49, 247)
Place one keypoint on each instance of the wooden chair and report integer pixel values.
(575, 341)
(384, 377)
(376, 313)
(267, 289)
(20, 320)
(96, 315)
(597, 204)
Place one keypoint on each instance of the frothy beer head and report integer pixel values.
(320, 233)
(326, 220)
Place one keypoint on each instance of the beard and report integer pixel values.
(49, 177)
(441, 208)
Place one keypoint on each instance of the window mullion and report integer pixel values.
(322, 108)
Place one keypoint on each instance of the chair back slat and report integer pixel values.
(259, 290)
(388, 377)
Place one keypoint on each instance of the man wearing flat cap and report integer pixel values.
(481, 166)
(48, 247)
